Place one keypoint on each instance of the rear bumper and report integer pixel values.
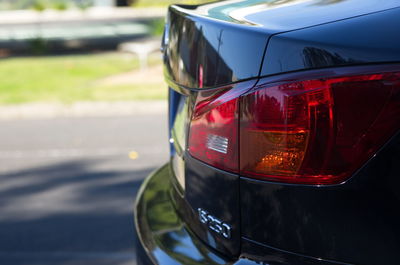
(165, 239)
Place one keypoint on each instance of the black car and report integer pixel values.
(284, 120)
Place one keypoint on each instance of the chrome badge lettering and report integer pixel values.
(214, 224)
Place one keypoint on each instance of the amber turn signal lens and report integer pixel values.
(276, 152)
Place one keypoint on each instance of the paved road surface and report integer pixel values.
(67, 187)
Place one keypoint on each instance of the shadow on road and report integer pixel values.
(72, 212)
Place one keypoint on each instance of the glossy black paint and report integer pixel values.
(164, 238)
(363, 40)
(218, 192)
(202, 53)
(221, 43)
(257, 253)
(356, 222)
(274, 16)
(232, 41)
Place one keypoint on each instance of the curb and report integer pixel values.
(82, 109)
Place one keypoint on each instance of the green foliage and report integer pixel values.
(60, 5)
(157, 27)
(39, 5)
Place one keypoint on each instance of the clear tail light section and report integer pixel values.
(214, 127)
(298, 130)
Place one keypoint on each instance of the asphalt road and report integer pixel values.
(67, 187)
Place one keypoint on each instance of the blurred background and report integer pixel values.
(83, 119)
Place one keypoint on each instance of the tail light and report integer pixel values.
(298, 130)
(214, 128)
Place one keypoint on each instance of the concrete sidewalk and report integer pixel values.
(82, 109)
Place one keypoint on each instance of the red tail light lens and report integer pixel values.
(317, 131)
(214, 129)
(276, 126)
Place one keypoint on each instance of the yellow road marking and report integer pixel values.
(133, 155)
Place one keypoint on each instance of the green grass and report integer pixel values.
(69, 79)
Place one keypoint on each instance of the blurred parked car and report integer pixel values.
(284, 120)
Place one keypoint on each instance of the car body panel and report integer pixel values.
(204, 53)
(355, 222)
(275, 16)
(166, 239)
(221, 43)
(354, 41)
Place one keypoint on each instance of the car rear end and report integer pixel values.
(283, 124)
